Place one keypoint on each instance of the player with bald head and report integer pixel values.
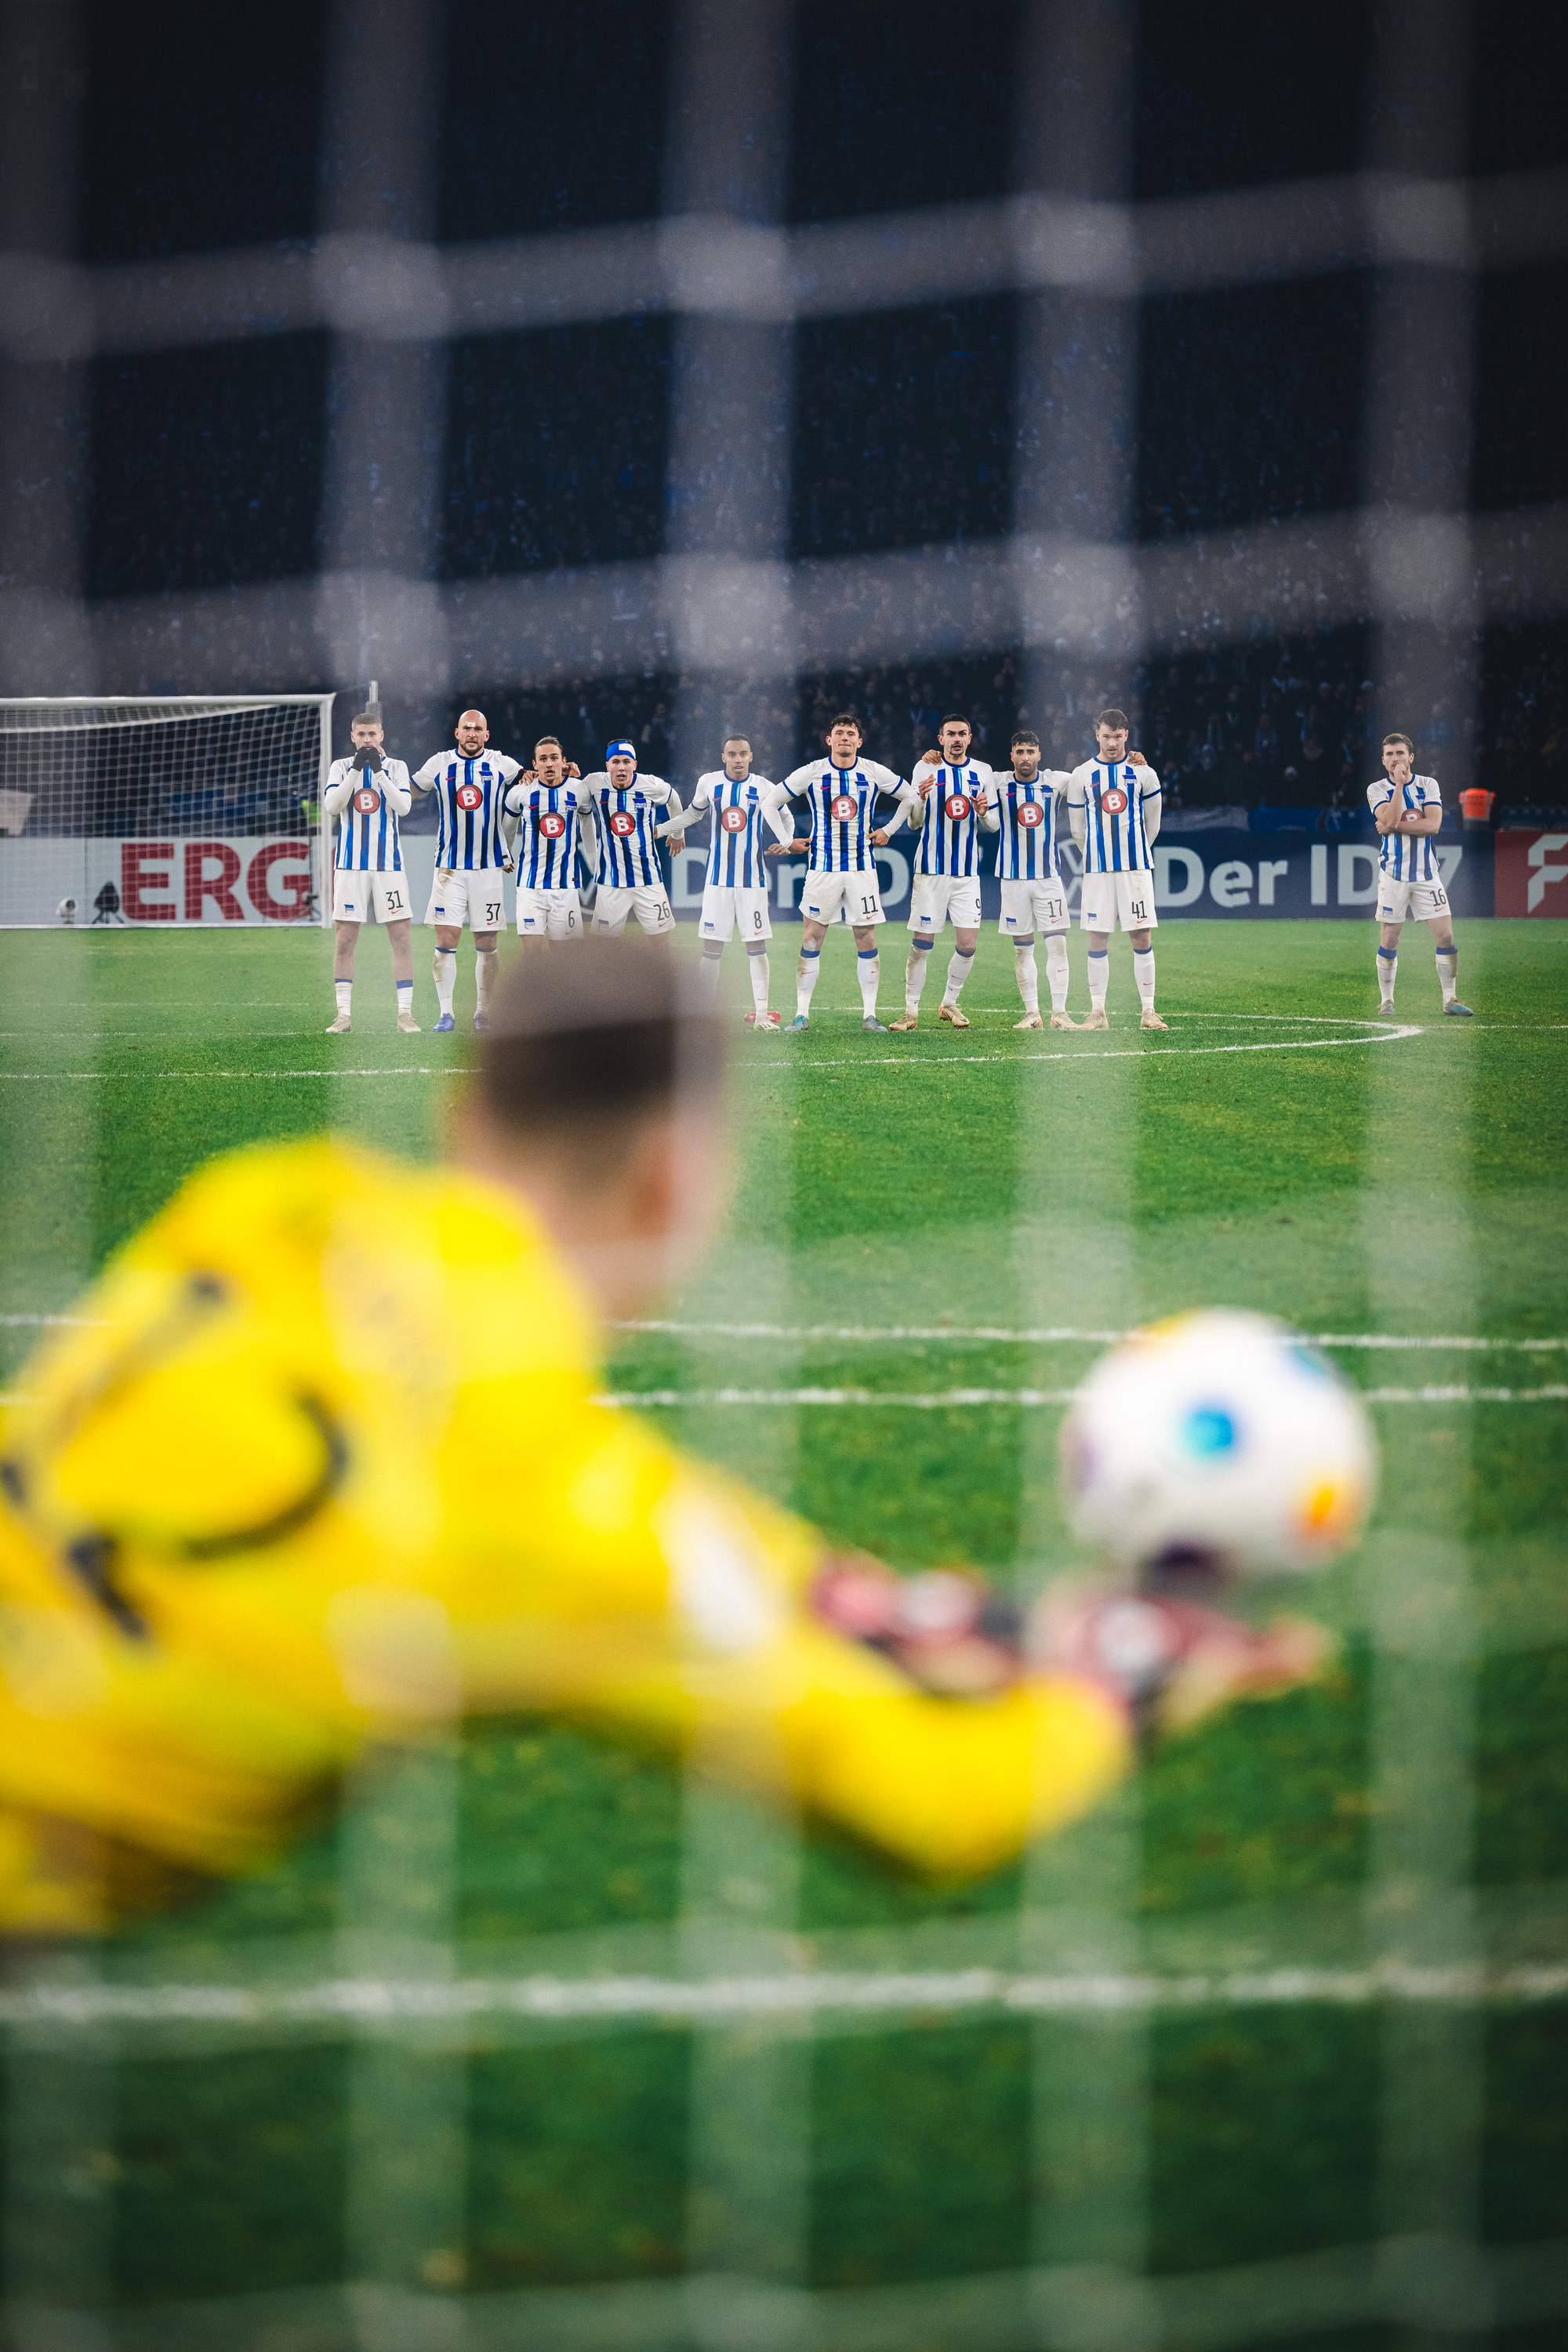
(472, 858)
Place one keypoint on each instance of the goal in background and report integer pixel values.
(162, 809)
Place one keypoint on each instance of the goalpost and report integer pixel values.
(196, 809)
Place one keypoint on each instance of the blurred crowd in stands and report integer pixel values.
(1286, 726)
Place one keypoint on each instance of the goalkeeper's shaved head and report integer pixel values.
(599, 1099)
(607, 1033)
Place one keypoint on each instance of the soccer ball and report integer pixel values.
(1217, 1445)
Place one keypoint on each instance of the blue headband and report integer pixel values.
(619, 752)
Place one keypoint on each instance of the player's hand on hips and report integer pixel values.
(1170, 1662)
(881, 837)
(786, 849)
(678, 841)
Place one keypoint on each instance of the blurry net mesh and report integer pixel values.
(602, 2108)
(79, 779)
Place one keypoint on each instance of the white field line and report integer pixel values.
(717, 1999)
(1388, 1033)
(890, 1334)
(946, 1400)
(115, 1077)
(1040, 1336)
(1111, 1053)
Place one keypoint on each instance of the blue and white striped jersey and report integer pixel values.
(1113, 795)
(367, 805)
(1409, 856)
(842, 803)
(545, 845)
(736, 852)
(1026, 851)
(629, 828)
(470, 796)
(948, 818)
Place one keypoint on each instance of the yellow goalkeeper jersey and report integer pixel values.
(322, 1464)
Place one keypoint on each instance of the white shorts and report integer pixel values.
(645, 900)
(726, 906)
(1031, 907)
(933, 897)
(1416, 901)
(548, 915)
(476, 898)
(357, 897)
(1107, 898)
(857, 897)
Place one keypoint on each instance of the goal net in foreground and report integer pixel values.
(162, 809)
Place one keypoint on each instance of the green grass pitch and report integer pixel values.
(1272, 1150)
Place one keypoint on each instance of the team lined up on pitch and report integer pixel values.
(541, 823)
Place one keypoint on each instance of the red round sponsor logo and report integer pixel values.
(622, 821)
(958, 806)
(843, 808)
(1114, 801)
(733, 820)
(470, 796)
(365, 799)
(552, 826)
(1031, 812)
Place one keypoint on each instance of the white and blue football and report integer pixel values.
(1217, 1445)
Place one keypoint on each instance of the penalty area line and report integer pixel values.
(1030, 1337)
(114, 1078)
(805, 1994)
(956, 1400)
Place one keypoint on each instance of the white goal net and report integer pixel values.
(157, 809)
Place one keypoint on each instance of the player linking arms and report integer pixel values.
(841, 794)
(264, 1508)
(1113, 808)
(735, 887)
(472, 859)
(953, 797)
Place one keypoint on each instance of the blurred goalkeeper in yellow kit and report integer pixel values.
(326, 1468)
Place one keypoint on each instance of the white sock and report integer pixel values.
(915, 975)
(486, 962)
(345, 990)
(806, 972)
(758, 966)
(446, 971)
(406, 996)
(1099, 976)
(1388, 965)
(1144, 973)
(1449, 973)
(1027, 973)
(1056, 970)
(958, 970)
(869, 968)
(708, 978)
